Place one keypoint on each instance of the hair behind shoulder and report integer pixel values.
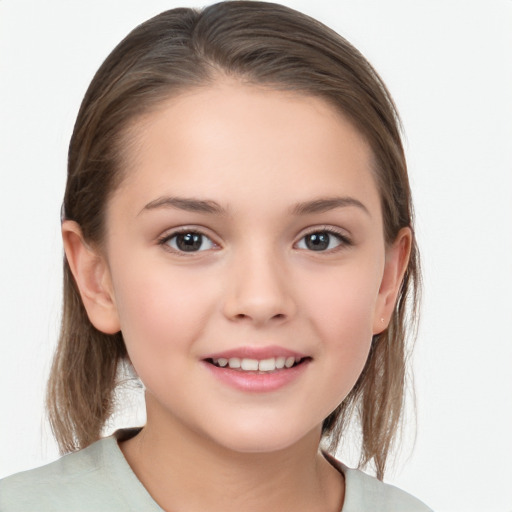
(258, 43)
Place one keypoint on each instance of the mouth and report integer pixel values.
(258, 366)
(257, 369)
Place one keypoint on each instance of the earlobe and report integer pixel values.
(397, 259)
(92, 277)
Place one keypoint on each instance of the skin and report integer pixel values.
(257, 154)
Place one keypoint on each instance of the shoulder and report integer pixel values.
(65, 481)
(369, 494)
(364, 493)
(93, 479)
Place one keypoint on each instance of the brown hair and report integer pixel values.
(258, 43)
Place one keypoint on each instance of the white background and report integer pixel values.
(448, 64)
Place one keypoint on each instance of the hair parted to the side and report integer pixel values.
(257, 43)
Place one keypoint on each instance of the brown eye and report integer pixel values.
(189, 242)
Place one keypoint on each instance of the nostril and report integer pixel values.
(243, 316)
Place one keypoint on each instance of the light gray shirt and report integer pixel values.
(99, 479)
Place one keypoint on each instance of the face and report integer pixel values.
(246, 263)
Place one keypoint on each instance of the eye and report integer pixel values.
(322, 241)
(188, 241)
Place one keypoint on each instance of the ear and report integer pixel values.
(92, 276)
(397, 259)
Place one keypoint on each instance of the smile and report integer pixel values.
(254, 365)
(257, 369)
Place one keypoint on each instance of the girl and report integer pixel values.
(237, 224)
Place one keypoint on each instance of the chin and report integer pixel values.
(268, 440)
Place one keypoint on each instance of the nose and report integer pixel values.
(259, 289)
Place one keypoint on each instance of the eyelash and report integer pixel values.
(165, 239)
(343, 239)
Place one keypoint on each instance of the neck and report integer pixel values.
(184, 471)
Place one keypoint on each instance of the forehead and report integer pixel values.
(242, 142)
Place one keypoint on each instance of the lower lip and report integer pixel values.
(257, 382)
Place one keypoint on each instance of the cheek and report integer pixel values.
(345, 302)
(160, 312)
(346, 326)
(342, 315)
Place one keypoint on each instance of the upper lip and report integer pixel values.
(258, 353)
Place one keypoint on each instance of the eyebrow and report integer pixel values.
(212, 207)
(325, 204)
(187, 204)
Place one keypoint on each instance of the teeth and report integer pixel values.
(267, 365)
(264, 365)
(234, 362)
(280, 362)
(290, 361)
(249, 364)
